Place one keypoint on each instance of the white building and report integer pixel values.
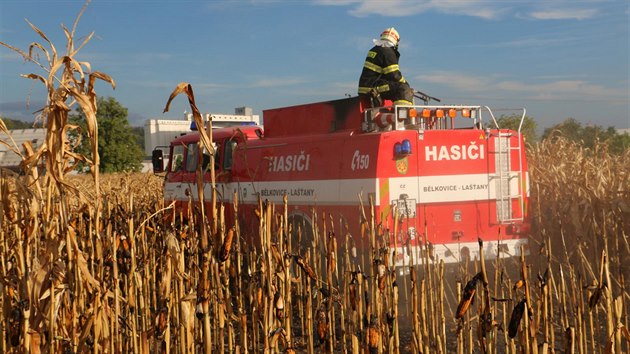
(8, 157)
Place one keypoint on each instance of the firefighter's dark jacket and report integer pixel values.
(380, 69)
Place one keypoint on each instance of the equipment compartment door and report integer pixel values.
(402, 194)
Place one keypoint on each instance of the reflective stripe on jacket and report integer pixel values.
(380, 68)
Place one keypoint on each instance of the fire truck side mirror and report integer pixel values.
(157, 159)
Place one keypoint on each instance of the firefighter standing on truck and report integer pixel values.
(381, 77)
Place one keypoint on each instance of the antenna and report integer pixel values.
(423, 96)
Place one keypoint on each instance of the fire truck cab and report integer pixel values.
(447, 174)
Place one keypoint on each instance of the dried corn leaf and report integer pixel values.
(184, 87)
(36, 341)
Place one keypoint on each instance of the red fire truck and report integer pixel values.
(447, 173)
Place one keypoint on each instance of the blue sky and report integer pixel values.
(558, 59)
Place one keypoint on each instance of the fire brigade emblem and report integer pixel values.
(402, 165)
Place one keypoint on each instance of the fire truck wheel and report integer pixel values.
(301, 231)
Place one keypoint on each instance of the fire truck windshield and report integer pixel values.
(177, 158)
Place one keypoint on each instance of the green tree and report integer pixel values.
(619, 143)
(138, 132)
(529, 127)
(117, 144)
(589, 135)
(16, 124)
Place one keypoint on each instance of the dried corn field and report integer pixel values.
(133, 281)
(100, 264)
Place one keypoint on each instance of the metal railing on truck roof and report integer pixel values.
(430, 117)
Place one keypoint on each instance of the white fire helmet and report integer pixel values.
(390, 34)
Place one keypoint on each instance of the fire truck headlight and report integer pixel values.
(406, 147)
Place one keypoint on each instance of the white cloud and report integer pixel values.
(276, 82)
(336, 2)
(561, 89)
(475, 8)
(210, 86)
(10, 56)
(455, 80)
(535, 42)
(564, 14)
(485, 9)
(401, 8)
